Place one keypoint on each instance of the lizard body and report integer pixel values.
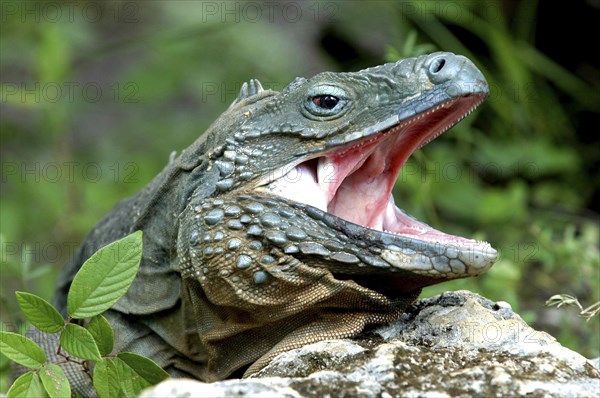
(277, 227)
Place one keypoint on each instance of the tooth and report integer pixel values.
(299, 185)
(328, 177)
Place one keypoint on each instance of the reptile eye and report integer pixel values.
(325, 101)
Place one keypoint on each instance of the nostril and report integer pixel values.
(437, 65)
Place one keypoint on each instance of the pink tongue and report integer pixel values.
(357, 184)
(332, 170)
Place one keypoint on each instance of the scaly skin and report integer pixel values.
(243, 261)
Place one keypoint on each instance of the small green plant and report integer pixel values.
(566, 299)
(102, 280)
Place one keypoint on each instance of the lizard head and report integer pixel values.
(337, 142)
(301, 232)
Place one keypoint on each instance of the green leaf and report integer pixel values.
(145, 367)
(22, 350)
(130, 383)
(106, 379)
(103, 333)
(55, 382)
(137, 372)
(27, 385)
(40, 313)
(105, 277)
(77, 341)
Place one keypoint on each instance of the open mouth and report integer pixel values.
(354, 182)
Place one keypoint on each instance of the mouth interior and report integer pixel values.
(355, 182)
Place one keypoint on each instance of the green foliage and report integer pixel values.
(26, 386)
(106, 379)
(40, 313)
(55, 382)
(105, 277)
(140, 372)
(22, 350)
(102, 333)
(80, 343)
(95, 289)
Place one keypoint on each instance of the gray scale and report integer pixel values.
(291, 249)
(260, 277)
(314, 213)
(271, 203)
(254, 230)
(457, 266)
(234, 244)
(344, 257)
(270, 219)
(441, 264)
(235, 225)
(243, 261)
(295, 233)
(229, 155)
(255, 245)
(313, 248)
(254, 208)
(214, 216)
(242, 159)
(287, 213)
(333, 245)
(375, 250)
(224, 184)
(194, 238)
(225, 168)
(373, 261)
(267, 260)
(233, 211)
(276, 237)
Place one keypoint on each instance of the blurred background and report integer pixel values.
(95, 96)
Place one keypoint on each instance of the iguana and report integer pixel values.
(278, 228)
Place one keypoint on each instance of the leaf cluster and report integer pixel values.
(86, 337)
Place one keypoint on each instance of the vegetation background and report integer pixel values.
(96, 95)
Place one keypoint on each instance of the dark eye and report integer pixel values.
(325, 101)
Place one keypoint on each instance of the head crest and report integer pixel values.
(248, 89)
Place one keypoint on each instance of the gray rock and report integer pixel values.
(457, 344)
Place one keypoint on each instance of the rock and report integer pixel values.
(457, 344)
